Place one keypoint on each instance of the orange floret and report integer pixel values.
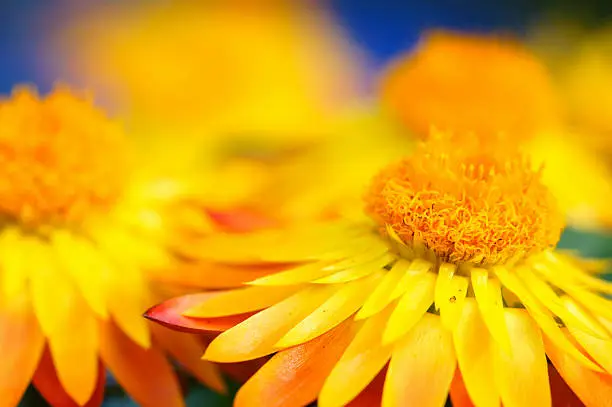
(470, 83)
(59, 157)
(466, 204)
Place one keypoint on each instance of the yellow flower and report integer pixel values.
(499, 90)
(266, 71)
(83, 238)
(450, 283)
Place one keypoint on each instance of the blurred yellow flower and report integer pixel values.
(449, 284)
(500, 91)
(253, 70)
(85, 225)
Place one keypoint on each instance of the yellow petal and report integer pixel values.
(522, 375)
(74, 347)
(422, 366)
(78, 259)
(383, 293)
(256, 336)
(241, 300)
(410, 307)
(550, 299)
(341, 305)
(360, 363)
(356, 272)
(298, 275)
(599, 349)
(451, 309)
(14, 258)
(474, 347)
(543, 318)
(489, 298)
(445, 274)
(416, 267)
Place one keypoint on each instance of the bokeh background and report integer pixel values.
(378, 31)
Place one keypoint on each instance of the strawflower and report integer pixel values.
(498, 89)
(84, 240)
(269, 70)
(449, 282)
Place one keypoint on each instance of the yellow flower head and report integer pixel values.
(466, 206)
(84, 247)
(461, 293)
(61, 158)
(470, 84)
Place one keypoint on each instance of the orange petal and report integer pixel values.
(295, 376)
(145, 374)
(422, 366)
(458, 393)
(593, 388)
(372, 394)
(188, 351)
(522, 376)
(48, 385)
(22, 343)
(74, 349)
(562, 395)
(170, 314)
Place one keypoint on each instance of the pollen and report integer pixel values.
(60, 158)
(466, 204)
(470, 83)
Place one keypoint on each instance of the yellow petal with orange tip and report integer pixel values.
(295, 376)
(490, 302)
(474, 347)
(542, 317)
(22, 342)
(14, 257)
(360, 363)
(187, 350)
(341, 305)
(445, 275)
(258, 335)
(241, 300)
(74, 348)
(522, 376)
(357, 272)
(451, 309)
(422, 366)
(79, 259)
(145, 374)
(410, 307)
(593, 388)
(382, 295)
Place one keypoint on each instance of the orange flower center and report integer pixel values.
(60, 158)
(470, 83)
(480, 207)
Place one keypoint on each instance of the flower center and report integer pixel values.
(466, 205)
(471, 83)
(60, 158)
